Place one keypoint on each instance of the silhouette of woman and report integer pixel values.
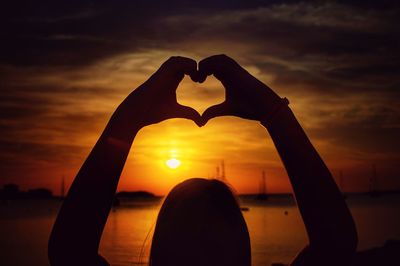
(200, 222)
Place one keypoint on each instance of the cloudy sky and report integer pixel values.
(65, 67)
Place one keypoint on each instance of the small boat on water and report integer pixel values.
(244, 209)
(262, 195)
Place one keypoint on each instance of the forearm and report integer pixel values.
(83, 215)
(326, 217)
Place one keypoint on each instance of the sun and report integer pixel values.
(173, 163)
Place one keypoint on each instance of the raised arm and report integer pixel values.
(76, 234)
(329, 224)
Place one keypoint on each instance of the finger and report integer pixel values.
(174, 69)
(221, 66)
(181, 65)
(188, 113)
(215, 111)
(197, 77)
(200, 77)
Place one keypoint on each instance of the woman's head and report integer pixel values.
(200, 223)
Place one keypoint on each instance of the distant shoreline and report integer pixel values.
(11, 192)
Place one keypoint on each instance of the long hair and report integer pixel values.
(200, 223)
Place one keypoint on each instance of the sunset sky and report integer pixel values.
(65, 67)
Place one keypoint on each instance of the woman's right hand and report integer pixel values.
(246, 96)
(155, 100)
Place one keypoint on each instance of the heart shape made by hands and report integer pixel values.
(245, 96)
(200, 96)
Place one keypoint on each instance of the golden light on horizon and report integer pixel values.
(173, 163)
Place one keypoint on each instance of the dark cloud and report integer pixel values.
(80, 32)
(338, 61)
(76, 33)
(27, 153)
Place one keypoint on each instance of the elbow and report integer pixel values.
(56, 257)
(346, 254)
(347, 251)
(350, 242)
(55, 252)
(344, 236)
(59, 250)
(333, 254)
(349, 237)
(344, 246)
(338, 245)
(59, 256)
(353, 241)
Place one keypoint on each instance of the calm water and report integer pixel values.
(276, 236)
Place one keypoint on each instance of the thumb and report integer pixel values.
(189, 113)
(215, 111)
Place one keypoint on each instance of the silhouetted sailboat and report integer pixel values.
(220, 175)
(223, 171)
(220, 172)
(262, 195)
